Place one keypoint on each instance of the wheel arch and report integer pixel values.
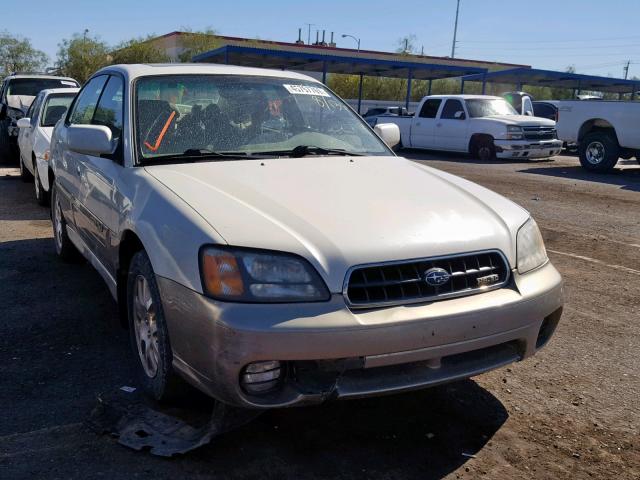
(596, 125)
(476, 137)
(130, 244)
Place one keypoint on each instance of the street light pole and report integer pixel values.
(344, 35)
(455, 32)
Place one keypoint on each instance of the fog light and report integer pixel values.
(261, 377)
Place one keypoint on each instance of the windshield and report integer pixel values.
(31, 86)
(55, 108)
(481, 107)
(176, 114)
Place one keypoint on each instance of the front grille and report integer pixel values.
(540, 133)
(404, 282)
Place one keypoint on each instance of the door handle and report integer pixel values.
(438, 124)
(418, 124)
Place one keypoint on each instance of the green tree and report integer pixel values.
(407, 45)
(194, 43)
(80, 56)
(18, 55)
(138, 50)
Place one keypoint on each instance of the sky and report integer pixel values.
(594, 36)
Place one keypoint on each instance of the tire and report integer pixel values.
(25, 175)
(64, 248)
(599, 152)
(149, 334)
(42, 197)
(483, 149)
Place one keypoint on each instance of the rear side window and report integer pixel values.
(450, 108)
(430, 108)
(544, 110)
(55, 108)
(109, 109)
(87, 101)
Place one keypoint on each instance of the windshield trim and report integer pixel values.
(140, 161)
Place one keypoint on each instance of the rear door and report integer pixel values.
(451, 127)
(422, 129)
(68, 164)
(26, 135)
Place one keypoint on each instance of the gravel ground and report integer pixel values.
(572, 411)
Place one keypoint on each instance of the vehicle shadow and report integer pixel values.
(426, 434)
(626, 179)
(464, 158)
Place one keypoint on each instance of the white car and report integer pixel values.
(268, 247)
(34, 138)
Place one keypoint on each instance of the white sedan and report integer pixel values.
(35, 136)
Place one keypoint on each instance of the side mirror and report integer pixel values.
(90, 139)
(24, 123)
(389, 133)
(459, 115)
(3, 111)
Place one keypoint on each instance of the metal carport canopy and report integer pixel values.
(331, 63)
(551, 78)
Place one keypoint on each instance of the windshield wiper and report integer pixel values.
(304, 150)
(192, 155)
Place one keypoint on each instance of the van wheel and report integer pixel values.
(149, 334)
(483, 149)
(64, 248)
(599, 152)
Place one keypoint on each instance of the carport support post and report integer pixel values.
(461, 86)
(484, 84)
(226, 56)
(409, 79)
(359, 93)
(324, 72)
(430, 82)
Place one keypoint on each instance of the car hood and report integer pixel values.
(523, 120)
(340, 211)
(20, 102)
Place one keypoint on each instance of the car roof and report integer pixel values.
(467, 97)
(132, 71)
(49, 91)
(39, 76)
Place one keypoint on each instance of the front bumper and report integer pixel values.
(527, 148)
(333, 352)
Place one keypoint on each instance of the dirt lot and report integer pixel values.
(572, 411)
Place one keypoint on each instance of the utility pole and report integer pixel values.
(309, 25)
(626, 69)
(455, 32)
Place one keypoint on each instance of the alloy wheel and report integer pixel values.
(595, 153)
(145, 326)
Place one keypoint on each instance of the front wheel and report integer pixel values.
(483, 149)
(25, 175)
(148, 332)
(42, 197)
(599, 152)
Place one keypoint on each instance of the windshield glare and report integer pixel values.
(240, 114)
(480, 107)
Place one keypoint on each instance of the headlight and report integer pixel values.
(514, 132)
(530, 247)
(247, 275)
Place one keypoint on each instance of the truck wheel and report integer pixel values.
(64, 248)
(599, 152)
(148, 332)
(483, 149)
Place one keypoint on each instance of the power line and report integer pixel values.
(573, 40)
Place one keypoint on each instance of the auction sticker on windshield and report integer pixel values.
(305, 90)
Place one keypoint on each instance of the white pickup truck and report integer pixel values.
(603, 131)
(482, 125)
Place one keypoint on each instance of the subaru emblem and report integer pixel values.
(436, 277)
